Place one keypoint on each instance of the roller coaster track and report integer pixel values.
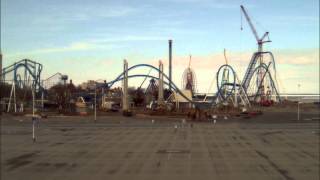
(251, 68)
(221, 85)
(120, 77)
(31, 69)
(266, 68)
(222, 94)
(174, 86)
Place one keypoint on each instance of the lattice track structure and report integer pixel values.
(152, 87)
(151, 92)
(260, 79)
(25, 74)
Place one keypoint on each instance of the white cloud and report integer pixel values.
(293, 66)
(76, 46)
(80, 13)
(297, 56)
(129, 38)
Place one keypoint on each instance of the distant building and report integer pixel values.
(89, 85)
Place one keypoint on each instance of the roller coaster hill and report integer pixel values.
(21, 83)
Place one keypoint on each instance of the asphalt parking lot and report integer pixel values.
(133, 148)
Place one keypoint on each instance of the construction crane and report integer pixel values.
(260, 41)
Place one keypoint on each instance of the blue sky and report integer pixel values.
(89, 39)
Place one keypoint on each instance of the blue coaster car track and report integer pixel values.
(265, 75)
(30, 76)
(251, 85)
(225, 88)
(252, 66)
(166, 81)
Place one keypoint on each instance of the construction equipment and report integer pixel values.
(254, 82)
(260, 41)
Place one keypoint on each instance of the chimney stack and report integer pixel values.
(170, 64)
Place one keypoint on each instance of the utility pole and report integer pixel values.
(299, 102)
(33, 116)
(42, 99)
(95, 102)
(1, 94)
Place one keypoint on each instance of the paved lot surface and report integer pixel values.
(122, 148)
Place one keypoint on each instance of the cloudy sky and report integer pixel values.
(90, 39)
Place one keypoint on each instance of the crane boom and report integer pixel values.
(266, 34)
(250, 24)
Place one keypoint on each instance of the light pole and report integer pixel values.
(95, 102)
(298, 102)
(33, 116)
